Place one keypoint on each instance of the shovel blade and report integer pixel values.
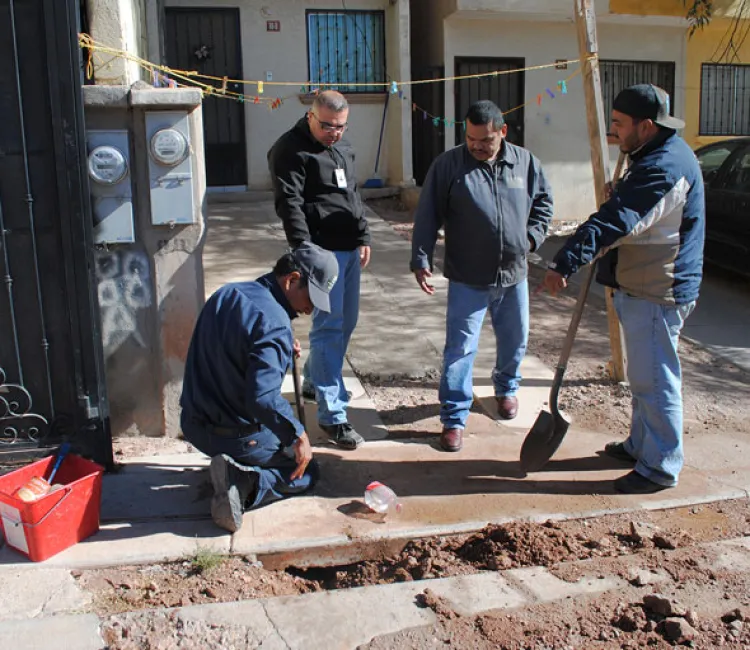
(543, 440)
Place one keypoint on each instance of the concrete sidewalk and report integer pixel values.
(157, 508)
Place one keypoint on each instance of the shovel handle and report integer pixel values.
(298, 392)
(582, 296)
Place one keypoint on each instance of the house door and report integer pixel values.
(428, 138)
(208, 41)
(507, 91)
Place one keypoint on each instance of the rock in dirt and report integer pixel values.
(677, 630)
(640, 577)
(664, 606)
(437, 604)
(641, 531)
(665, 542)
(737, 614)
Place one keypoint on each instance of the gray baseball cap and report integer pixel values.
(646, 101)
(321, 269)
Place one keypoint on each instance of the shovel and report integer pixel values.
(550, 427)
(298, 392)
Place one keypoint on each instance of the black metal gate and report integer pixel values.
(506, 90)
(208, 40)
(427, 139)
(52, 377)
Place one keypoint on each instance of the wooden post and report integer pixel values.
(597, 124)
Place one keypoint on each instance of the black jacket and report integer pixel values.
(493, 215)
(307, 197)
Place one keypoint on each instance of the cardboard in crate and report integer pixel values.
(42, 528)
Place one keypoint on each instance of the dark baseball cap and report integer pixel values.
(647, 102)
(321, 269)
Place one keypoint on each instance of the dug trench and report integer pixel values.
(667, 553)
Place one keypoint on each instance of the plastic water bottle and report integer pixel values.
(380, 498)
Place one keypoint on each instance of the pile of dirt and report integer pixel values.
(700, 609)
(497, 547)
(180, 584)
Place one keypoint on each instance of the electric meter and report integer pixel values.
(107, 165)
(169, 147)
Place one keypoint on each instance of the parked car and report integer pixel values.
(726, 174)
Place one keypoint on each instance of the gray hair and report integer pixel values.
(331, 100)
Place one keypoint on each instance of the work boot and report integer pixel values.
(343, 435)
(308, 391)
(634, 483)
(617, 450)
(452, 439)
(507, 406)
(233, 484)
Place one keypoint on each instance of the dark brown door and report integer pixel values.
(428, 138)
(208, 40)
(506, 90)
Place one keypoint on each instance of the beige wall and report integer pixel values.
(284, 54)
(556, 131)
(121, 24)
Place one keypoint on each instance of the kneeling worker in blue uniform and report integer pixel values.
(232, 406)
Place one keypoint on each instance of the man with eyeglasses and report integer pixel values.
(316, 197)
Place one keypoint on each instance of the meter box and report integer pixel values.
(110, 184)
(170, 168)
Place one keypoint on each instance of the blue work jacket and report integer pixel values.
(240, 352)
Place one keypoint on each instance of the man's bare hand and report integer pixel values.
(297, 349)
(302, 454)
(609, 190)
(364, 256)
(422, 275)
(553, 282)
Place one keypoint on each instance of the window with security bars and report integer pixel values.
(725, 99)
(618, 75)
(347, 49)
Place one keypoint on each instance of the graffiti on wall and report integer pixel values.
(124, 287)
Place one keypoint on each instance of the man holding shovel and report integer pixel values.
(652, 231)
(494, 203)
(232, 406)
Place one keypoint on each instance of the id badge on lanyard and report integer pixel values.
(340, 178)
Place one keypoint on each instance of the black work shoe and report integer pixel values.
(343, 435)
(617, 450)
(308, 392)
(232, 487)
(634, 483)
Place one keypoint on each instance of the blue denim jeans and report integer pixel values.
(260, 452)
(651, 332)
(467, 306)
(329, 339)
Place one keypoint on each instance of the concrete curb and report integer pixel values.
(346, 618)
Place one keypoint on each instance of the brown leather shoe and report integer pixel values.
(507, 407)
(452, 439)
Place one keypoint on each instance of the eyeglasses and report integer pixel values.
(328, 127)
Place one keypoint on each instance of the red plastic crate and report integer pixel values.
(45, 527)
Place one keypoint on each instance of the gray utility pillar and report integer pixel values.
(147, 180)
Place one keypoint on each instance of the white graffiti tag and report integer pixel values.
(124, 287)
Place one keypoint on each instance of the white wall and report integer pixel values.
(556, 131)
(285, 55)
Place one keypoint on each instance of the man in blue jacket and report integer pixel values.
(495, 205)
(652, 231)
(232, 407)
(316, 197)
